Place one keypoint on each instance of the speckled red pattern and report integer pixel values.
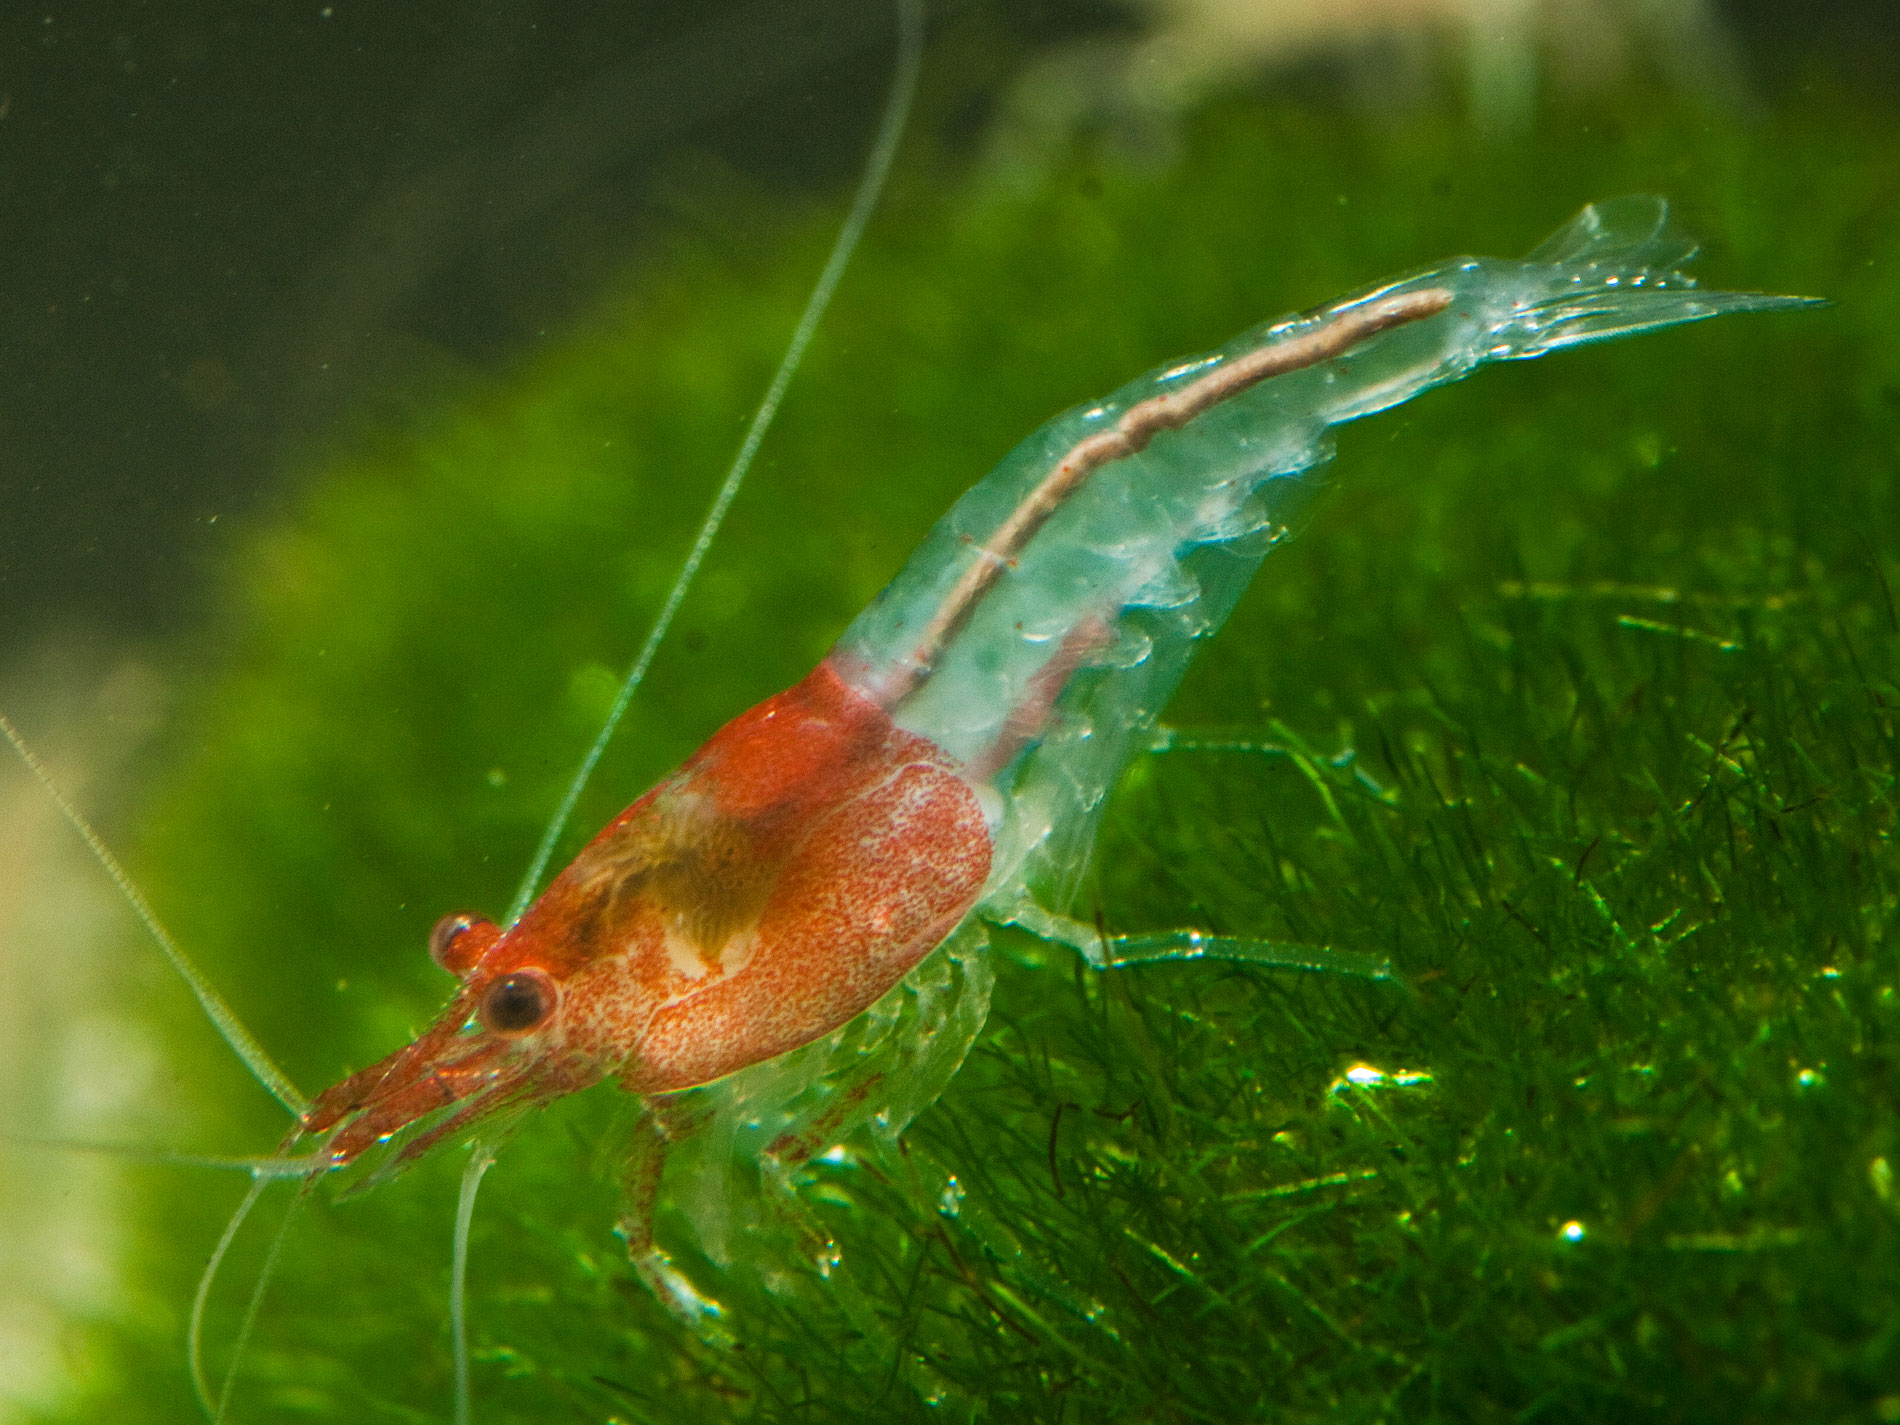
(879, 882)
(865, 847)
(782, 880)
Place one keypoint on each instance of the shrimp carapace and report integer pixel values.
(776, 885)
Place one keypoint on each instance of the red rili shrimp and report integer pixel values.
(823, 843)
(942, 766)
(823, 867)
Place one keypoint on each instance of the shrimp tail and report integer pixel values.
(1619, 271)
(1614, 270)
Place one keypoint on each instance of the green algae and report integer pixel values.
(1575, 699)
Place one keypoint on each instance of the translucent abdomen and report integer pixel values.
(1044, 684)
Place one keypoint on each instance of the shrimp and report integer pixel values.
(793, 923)
(942, 768)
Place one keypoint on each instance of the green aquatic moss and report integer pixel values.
(1576, 699)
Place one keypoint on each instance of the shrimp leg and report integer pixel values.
(880, 1070)
(1115, 952)
(1104, 951)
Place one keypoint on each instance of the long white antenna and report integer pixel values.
(272, 1167)
(230, 1028)
(195, 1331)
(256, 1303)
(910, 17)
(481, 1159)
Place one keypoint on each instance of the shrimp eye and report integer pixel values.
(459, 940)
(517, 1003)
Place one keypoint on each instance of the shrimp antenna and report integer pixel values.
(481, 1159)
(223, 1018)
(194, 1331)
(262, 1172)
(251, 1308)
(910, 47)
(275, 1166)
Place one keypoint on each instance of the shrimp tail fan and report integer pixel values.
(1618, 271)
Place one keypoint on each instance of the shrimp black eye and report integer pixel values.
(459, 940)
(517, 1003)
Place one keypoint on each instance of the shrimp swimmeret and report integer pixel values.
(796, 915)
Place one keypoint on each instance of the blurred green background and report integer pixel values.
(1578, 693)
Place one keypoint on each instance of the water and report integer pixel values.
(1511, 613)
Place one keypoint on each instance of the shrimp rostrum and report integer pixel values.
(796, 915)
